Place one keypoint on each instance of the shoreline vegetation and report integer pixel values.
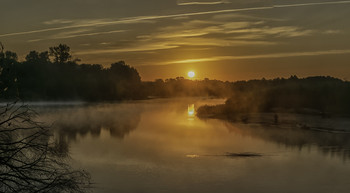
(55, 75)
(313, 103)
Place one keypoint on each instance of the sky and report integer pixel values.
(217, 39)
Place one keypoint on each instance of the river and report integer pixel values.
(161, 146)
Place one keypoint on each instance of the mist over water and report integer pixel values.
(161, 146)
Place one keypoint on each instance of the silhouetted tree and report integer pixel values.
(33, 56)
(38, 78)
(8, 79)
(60, 53)
(126, 80)
(44, 57)
(11, 56)
(1, 48)
(321, 95)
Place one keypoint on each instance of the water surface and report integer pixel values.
(161, 146)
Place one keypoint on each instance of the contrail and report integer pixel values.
(311, 4)
(155, 17)
(203, 3)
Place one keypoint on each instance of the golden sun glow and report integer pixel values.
(190, 110)
(191, 74)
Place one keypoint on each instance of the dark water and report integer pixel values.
(160, 146)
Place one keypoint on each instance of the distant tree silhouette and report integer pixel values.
(180, 87)
(319, 94)
(60, 53)
(126, 80)
(33, 56)
(1, 48)
(38, 78)
(8, 79)
(11, 56)
(44, 57)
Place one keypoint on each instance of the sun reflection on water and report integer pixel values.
(191, 112)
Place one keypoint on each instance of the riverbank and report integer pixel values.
(307, 119)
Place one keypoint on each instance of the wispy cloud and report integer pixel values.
(186, 33)
(187, 2)
(161, 44)
(332, 32)
(105, 43)
(219, 42)
(139, 48)
(197, 28)
(75, 21)
(74, 35)
(58, 21)
(221, 34)
(83, 24)
(230, 16)
(130, 20)
(208, 34)
(262, 56)
(282, 31)
(310, 4)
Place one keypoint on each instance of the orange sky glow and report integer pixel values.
(226, 40)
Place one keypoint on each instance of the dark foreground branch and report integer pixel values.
(30, 160)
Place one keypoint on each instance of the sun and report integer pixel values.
(191, 74)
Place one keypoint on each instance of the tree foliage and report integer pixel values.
(61, 53)
(321, 95)
(181, 87)
(39, 78)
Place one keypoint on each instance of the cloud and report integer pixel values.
(57, 21)
(197, 28)
(310, 4)
(159, 44)
(189, 34)
(197, 33)
(219, 42)
(230, 16)
(221, 34)
(139, 48)
(83, 24)
(74, 34)
(187, 2)
(332, 32)
(262, 56)
(282, 31)
(130, 20)
(186, 33)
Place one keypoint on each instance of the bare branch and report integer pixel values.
(29, 162)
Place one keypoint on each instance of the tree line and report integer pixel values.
(323, 95)
(56, 75)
